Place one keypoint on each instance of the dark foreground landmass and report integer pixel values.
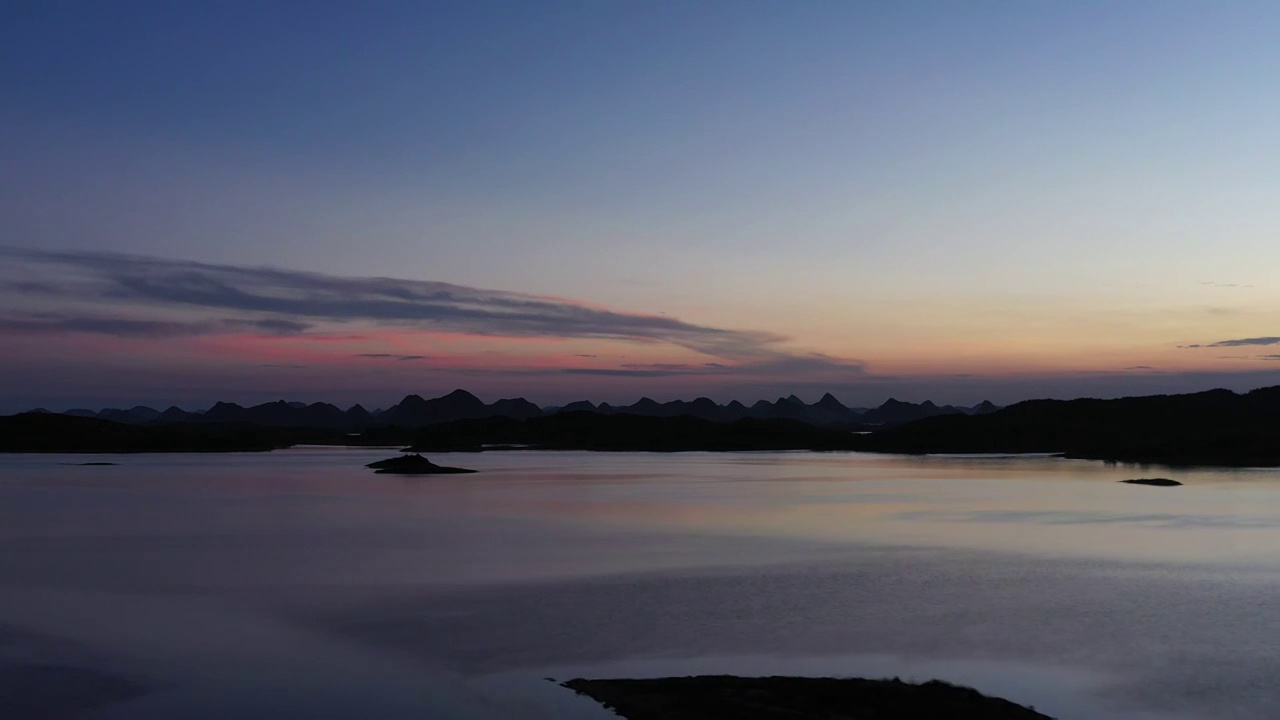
(1217, 427)
(413, 465)
(48, 433)
(795, 698)
(589, 431)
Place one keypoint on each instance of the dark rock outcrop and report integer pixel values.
(1154, 482)
(794, 698)
(413, 464)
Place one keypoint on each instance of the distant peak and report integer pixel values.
(829, 401)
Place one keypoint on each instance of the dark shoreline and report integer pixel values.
(1212, 429)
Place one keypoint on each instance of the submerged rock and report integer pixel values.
(413, 465)
(794, 698)
(1156, 482)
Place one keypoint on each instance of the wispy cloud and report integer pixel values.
(389, 356)
(800, 365)
(1242, 342)
(50, 323)
(143, 297)
(619, 372)
(672, 367)
(1211, 283)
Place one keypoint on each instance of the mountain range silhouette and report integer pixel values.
(416, 412)
(1216, 427)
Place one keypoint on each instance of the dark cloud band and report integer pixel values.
(55, 324)
(288, 302)
(1243, 342)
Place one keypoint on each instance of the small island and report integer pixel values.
(794, 698)
(413, 464)
(1154, 482)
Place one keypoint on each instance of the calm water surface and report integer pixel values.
(298, 584)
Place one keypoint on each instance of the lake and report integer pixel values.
(299, 584)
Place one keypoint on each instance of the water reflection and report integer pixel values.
(297, 582)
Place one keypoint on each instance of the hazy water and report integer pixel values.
(298, 584)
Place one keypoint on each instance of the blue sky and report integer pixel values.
(1021, 193)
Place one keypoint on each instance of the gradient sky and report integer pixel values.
(943, 200)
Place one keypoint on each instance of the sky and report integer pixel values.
(349, 202)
